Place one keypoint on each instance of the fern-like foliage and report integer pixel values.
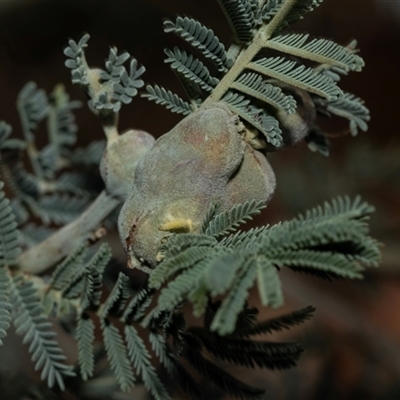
(5, 306)
(351, 108)
(32, 323)
(322, 51)
(9, 236)
(279, 323)
(61, 209)
(168, 99)
(107, 89)
(33, 107)
(228, 221)
(32, 104)
(61, 130)
(300, 7)
(257, 29)
(253, 85)
(329, 241)
(85, 338)
(7, 143)
(200, 37)
(140, 359)
(191, 68)
(297, 75)
(117, 355)
(78, 281)
(241, 18)
(256, 117)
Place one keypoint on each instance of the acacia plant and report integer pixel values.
(183, 197)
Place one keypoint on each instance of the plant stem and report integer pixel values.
(246, 56)
(52, 250)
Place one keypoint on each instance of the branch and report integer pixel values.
(247, 55)
(52, 250)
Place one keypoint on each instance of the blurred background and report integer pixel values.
(353, 343)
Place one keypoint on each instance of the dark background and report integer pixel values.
(354, 341)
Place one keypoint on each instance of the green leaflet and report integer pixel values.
(31, 322)
(221, 378)
(269, 285)
(9, 235)
(299, 8)
(300, 76)
(280, 323)
(5, 306)
(253, 85)
(177, 290)
(140, 359)
(85, 339)
(337, 264)
(257, 117)
(173, 366)
(181, 262)
(250, 353)
(61, 209)
(191, 68)
(118, 85)
(322, 51)
(200, 37)
(352, 108)
(241, 18)
(136, 308)
(168, 99)
(228, 221)
(117, 299)
(226, 316)
(117, 356)
(221, 271)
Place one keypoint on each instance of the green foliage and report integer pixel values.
(107, 89)
(297, 75)
(79, 281)
(49, 193)
(322, 51)
(353, 109)
(241, 18)
(61, 209)
(228, 221)
(32, 323)
(329, 241)
(5, 306)
(279, 323)
(261, 103)
(117, 355)
(256, 117)
(253, 85)
(191, 68)
(297, 11)
(140, 359)
(7, 144)
(116, 300)
(33, 107)
(9, 235)
(61, 130)
(85, 338)
(168, 99)
(201, 37)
